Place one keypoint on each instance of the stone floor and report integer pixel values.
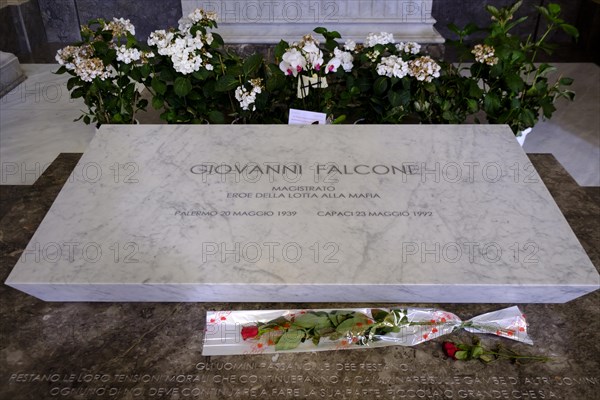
(36, 125)
(153, 350)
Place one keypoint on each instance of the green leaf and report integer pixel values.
(201, 74)
(454, 28)
(492, 10)
(477, 352)
(226, 83)
(470, 28)
(473, 105)
(61, 70)
(570, 30)
(566, 81)
(461, 355)
(354, 325)
(395, 98)
(515, 7)
(72, 82)
(281, 48)
(159, 86)
(554, 9)
(514, 82)
(145, 70)
(545, 69)
(474, 90)
(517, 22)
(380, 85)
(217, 40)
(378, 315)
(167, 75)
(491, 103)
(448, 115)
(289, 340)
(547, 107)
(252, 64)
(568, 94)
(79, 92)
(216, 117)
(182, 86)
(486, 358)
(312, 320)
(276, 81)
(339, 119)
(320, 30)
(157, 102)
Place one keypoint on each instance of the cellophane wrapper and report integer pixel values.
(275, 331)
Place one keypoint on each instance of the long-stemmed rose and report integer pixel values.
(475, 351)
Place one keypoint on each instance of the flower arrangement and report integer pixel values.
(515, 89)
(183, 76)
(194, 79)
(475, 351)
(101, 66)
(320, 329)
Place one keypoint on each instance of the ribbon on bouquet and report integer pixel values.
(273, 331)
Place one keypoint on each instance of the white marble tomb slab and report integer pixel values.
(395, 214)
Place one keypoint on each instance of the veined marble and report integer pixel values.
(271, 21)
(411, 214)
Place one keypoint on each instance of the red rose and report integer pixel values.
(249, 332)
(450, 349)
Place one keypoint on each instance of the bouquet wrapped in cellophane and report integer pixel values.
(273, 331)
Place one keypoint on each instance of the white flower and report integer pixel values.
(188, 53)
(247, 98)
(424, 69)
(90, 68)
(373, 55)
(69, 56)
(345, 58)
(350, 45)
(312, 54)
(409, 47)
(485, 54)
(184, 24)
(333, 65)
(393, 66)
(198, 15)
(293, 62)
(127, 55)
(120, 27)
(381, 38)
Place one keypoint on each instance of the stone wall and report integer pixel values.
(34, 23)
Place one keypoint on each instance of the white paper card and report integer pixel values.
(302, 117)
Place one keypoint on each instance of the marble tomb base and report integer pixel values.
(305, 213)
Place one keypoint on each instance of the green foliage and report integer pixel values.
(516, 90)
(508, 87)
(112, 96)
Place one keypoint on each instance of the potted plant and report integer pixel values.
(101, 66)
(183, 77)
(516, 89)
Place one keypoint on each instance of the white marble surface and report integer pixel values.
(11, 73)
(573, 133)
(515, 245)
(36, 124)
(269, 22)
